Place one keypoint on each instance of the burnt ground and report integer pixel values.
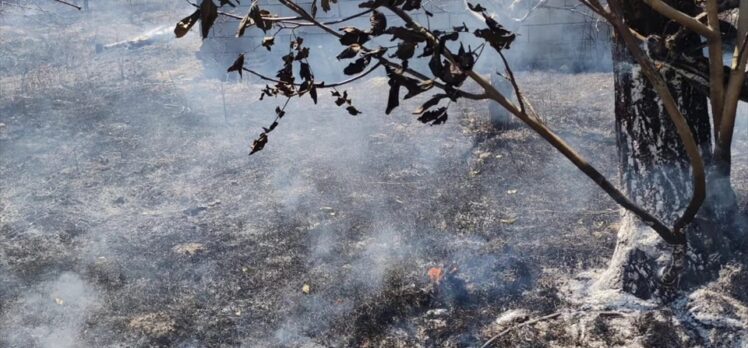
(131, 215)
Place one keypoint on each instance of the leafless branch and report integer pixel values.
(69, 4)
(294, 21)
(733, 91)
(305, 15)
(683, 19)
(519, 326)
(318, 85)
(716, 73)
(517, 92)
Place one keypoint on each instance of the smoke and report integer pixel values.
(52, 314)
(131, 214)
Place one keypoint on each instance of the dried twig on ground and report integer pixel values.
(529, 322)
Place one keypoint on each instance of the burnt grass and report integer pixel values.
(130, 213)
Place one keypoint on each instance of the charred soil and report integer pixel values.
(130, 213)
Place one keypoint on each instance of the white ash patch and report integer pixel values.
(714, 309)
(50, 315)
(153, 324)
(512, 317)
(189, 249)
(584, 290)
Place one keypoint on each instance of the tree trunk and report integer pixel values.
(655, 171)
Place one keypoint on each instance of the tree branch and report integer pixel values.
(515, 327)
(305, 15)
(69, 4)
(291, 20)
(517, 92)
(337, 21)
(716, 73)
(548, 135)
(732, 94)
(410, 71)
(683, 19)
(318, 85)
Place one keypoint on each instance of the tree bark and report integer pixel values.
(655, 170)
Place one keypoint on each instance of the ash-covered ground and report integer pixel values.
(131, 215)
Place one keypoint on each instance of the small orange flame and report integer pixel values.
(436, 274)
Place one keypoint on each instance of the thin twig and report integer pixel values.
(716, 72)
(572, 9)
(69, 4)
(337, 21)
(305, 15)
(318, 85)
(518, 326)
(223, 100)
(517, 92)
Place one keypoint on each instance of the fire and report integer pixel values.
(436, 274)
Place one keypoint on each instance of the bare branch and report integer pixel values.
(321, 84)
(682, 18)
(293, 20)
(529, 322)
(337, 21)
(69, 4)
(716, 72)
(517, 92)
(305, 15)
(732, 94)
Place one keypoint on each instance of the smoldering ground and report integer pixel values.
(131, 214)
